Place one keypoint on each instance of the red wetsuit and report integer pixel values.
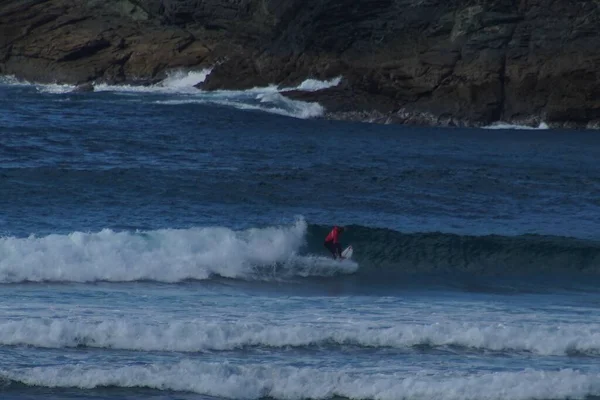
(333, 235)
(332, 242)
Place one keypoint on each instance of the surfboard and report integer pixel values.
(347, 253)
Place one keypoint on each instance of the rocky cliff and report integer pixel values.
(445, 62)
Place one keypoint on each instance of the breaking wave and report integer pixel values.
(201, 335)
(255, 381)
(168, 255)
(282, 252)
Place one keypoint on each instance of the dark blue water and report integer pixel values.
(162, 243)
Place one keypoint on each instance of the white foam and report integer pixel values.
(313, 85)
(55, 88)
(13, 81)
(181, 86)
(201, 335)
(543, 340)
(503, 125)
(254, 381)
(167, 255)
(267, 100)
(277, 104)
(176, 82)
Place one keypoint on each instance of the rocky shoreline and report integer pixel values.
(432, 62)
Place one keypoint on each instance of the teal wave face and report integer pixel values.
(386, 250)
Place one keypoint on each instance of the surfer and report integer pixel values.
(332, 241)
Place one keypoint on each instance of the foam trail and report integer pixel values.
(12, 80)
(313, 85)
(267, 99)
(273, 103)
(182, 85)
(278, 104)
(167, 255)
(177, 82)
(254, 381)
(201, 335)
(53, 88)
(503, 125)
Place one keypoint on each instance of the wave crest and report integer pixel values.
(255, 381)
(201, 335)
(167, 255)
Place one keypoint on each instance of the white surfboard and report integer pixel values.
(347, 253)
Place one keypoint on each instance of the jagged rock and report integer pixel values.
(48, 41)
(238, 71)
(457, 62)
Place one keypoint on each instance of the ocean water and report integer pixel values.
(163, 243)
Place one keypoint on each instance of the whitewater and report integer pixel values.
(197, 253)
(163, 242)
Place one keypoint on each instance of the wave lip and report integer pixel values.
(200, 335)
(254, 381)
(167, 255)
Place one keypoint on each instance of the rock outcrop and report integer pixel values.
(443, 62)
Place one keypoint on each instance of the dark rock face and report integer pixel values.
(444, 62)
(47, 41)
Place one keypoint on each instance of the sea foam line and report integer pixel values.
(200, 335)
(268, 99)
(313, 85)
(507, 126)
(256, 381)
(181, 86)
(176, 82)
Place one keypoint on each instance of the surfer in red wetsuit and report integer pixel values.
(332, 241)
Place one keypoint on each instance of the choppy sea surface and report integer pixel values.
(165, 243)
